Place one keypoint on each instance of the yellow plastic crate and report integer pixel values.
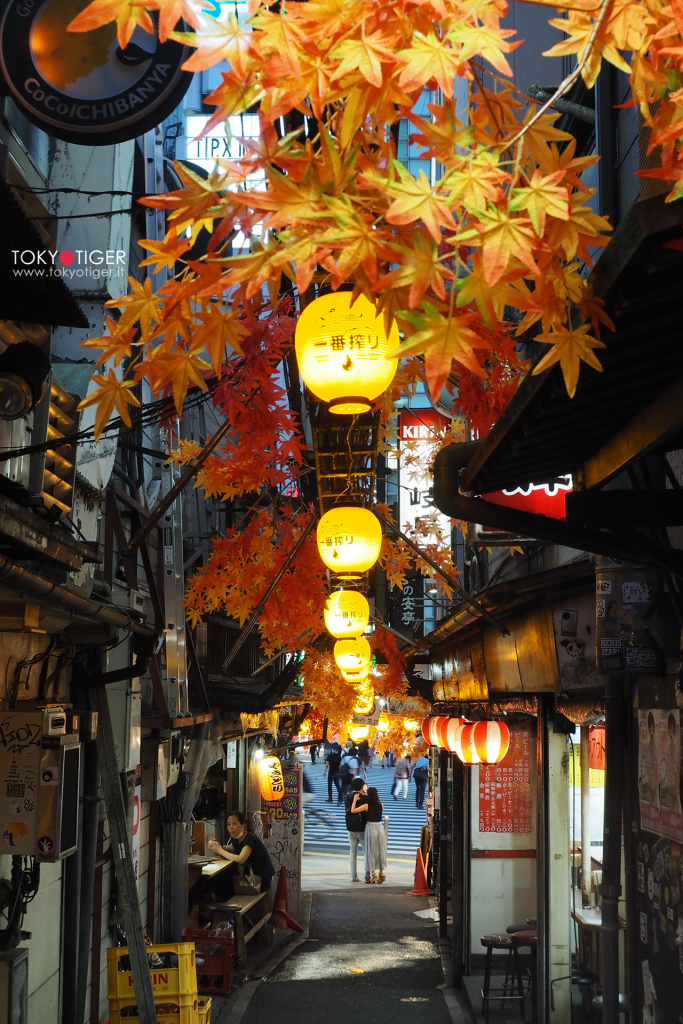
(205, 1010)
(167, 982)
(170, 1010)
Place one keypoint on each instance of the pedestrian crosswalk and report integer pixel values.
(325, 825)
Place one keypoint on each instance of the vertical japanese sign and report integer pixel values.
(659, 768)
(418, 428)
(505, 788)
(284, 842)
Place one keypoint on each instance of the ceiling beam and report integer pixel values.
(652, 425)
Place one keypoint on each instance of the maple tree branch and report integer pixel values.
(453, 583)
(262, 603)
(568, 82)
(191, 470)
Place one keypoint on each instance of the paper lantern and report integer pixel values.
(451, 731)
(349, 540)
(410, 724)
(347, 613)
(272, 779)
(491, 741)
(382, 725)
(431, 726)
(463, 745)
(425, 729)
(352, 655)
(358, 732)
(365, 702)
(355, 677)
(343, 351)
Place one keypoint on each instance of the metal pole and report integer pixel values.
(262, 603)
(443, 843)
(541, 1008)
(610, 890)
(453, 583)
(585, 820)
(457, 884)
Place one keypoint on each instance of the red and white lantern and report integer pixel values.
(430, 729)
(491, 741)
(454, 725)
(463, 745)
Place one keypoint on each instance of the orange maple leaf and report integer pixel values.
(442, 339)
(111, 394)
(126, 14)
(415, 200)
(569, 348)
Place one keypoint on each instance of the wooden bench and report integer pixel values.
(251, 913)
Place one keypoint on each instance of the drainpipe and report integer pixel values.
(444, 757)
(610, 890)
(543, 725)
(71, 889)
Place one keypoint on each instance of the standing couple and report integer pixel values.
(364, 824)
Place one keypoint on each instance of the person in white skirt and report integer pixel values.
(369, 805)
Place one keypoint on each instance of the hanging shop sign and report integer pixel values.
(542, 499)
(81, 86)
(272, 779)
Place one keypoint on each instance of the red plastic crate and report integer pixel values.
(213, 975)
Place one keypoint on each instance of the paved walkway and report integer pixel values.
(367, 956)
(326, 871)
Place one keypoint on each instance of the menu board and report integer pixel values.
(505, 789)
(284, 842)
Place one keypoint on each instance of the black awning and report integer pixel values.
(30, 298)
(543, 433)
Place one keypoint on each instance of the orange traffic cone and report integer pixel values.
(281, 918)
(420, 887)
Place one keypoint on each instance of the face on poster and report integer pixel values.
(659, 766)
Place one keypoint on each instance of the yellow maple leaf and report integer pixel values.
(111, 394)
(114, 346)
(421, 268)
(142, 305)
(429, 57)
(504, 237)
(364, 55)
(166, 253)
(569, 348)
(217, 329)
(442, 339)
(127, 16)
(176, 368)
(486, 40)
(415, 200)
(217, 41)
(543, 197)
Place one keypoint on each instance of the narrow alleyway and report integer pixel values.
(367, 952)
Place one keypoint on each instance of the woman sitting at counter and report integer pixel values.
(243, 847)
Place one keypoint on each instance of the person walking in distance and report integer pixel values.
(421, 774)
(332, 762)
(348, 769)
(375, 836)
(402, 773)
(355, 826)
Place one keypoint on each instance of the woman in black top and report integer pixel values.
(245, 847)
(370, 806)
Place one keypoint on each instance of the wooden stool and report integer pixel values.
(529, 937)
(504, 942)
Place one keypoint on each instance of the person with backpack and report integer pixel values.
(348, 769)
(421, 774)
(402, 774)
(355, 826)
(332, 763)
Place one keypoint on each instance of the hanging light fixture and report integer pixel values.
(347, 613)
(491, 741)
(358, 732)
(410, 724)
(366, 700)
(343, 351)
(451, 731)
(430, 729)
(352, 655)
(349, 540)
(272, 779)
(382, 724)
(463, 745)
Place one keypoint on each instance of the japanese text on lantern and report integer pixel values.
(504, 789)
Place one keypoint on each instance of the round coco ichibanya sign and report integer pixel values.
(81, 86)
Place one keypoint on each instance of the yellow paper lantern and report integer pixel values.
(343, 351)
(382, 725)
(349, 540)
(347, 613)
(352, 655)
(272, 779)
(366, 699)
(410, 724)
(358, 732)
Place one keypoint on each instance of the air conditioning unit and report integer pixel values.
(39, 787)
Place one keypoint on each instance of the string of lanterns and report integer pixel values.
(483, 743)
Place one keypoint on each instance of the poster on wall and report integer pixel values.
(284, 842)
(505, 788)
(659, 767)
